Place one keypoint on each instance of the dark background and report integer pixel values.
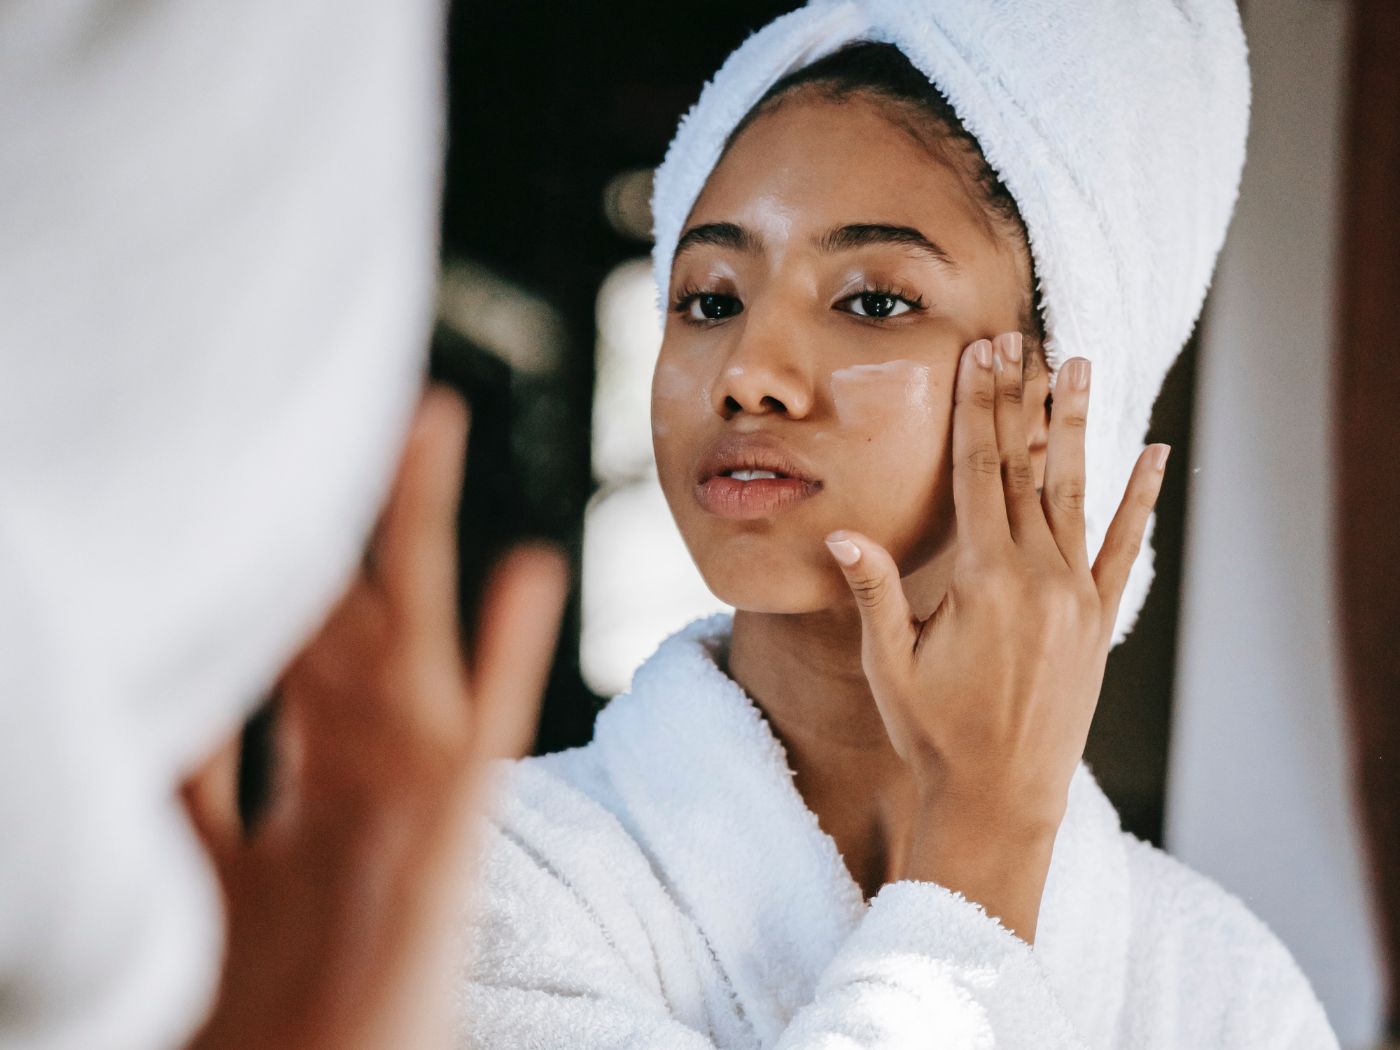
(550, 101)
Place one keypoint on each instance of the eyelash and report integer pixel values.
(914, 302)
(687, 296)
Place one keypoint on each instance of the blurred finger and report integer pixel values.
(517, 629)
(1123, 540)
(977, 490)
(415, 551)
(1063, 495)
(210, 797)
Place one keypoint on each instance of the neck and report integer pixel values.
(804, 672)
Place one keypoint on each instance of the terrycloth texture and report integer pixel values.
(217, 245)
(665, 887)
(1119, 128)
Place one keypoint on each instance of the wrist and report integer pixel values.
(991, 845)
(1000, 863)
(1019, 818)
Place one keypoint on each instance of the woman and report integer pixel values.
(856, 815)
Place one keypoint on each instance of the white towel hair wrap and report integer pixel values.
(1119, 128)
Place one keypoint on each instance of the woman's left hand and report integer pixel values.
(989, 700)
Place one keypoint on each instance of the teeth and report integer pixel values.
(751, 475)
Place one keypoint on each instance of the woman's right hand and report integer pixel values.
(344, 902)
(989, 700)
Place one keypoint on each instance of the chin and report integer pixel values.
(770, 581)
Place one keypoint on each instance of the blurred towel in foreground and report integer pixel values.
(217, 239)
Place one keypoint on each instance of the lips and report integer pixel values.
(747, 476)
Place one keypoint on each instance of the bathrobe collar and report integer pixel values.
(709, 792)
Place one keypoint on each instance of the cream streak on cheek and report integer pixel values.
(870, 397)
(671, 386)
(671, 383)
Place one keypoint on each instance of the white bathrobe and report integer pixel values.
(666, 887)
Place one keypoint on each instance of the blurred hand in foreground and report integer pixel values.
(344, 902)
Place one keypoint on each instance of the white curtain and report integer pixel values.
(1261, 794)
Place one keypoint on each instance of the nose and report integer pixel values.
(765, 371)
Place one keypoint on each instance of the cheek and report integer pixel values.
(894, 401)
(894, 420)
(680, 398)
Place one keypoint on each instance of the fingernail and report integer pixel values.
(1077, 372)
(1011, 347)
(844, 551)
(982, 350)
(1159, 456)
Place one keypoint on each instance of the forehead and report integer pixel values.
(813, 162)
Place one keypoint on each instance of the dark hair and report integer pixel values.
(884, 73)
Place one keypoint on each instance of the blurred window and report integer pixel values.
(639, 583)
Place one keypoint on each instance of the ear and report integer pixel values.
(1035, 404)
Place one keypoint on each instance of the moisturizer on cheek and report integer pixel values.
(872, 397)
(674, 390)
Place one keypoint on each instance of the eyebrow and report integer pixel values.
(720, 235)
(838, 239)
(863, 234)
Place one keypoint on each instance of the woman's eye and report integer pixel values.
(711, 306)
(877, 304)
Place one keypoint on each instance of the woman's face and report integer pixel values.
(828, 278)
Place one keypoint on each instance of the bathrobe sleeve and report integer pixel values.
(578, 944)
(927, 967)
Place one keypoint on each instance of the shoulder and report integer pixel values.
(1198, 952)
(558, 806)
(555, 818)
(562, 879)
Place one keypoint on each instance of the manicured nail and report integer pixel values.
(982, 350)
(1011, 347)
(842, 549)
(1077, 372)
(1159, 456)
